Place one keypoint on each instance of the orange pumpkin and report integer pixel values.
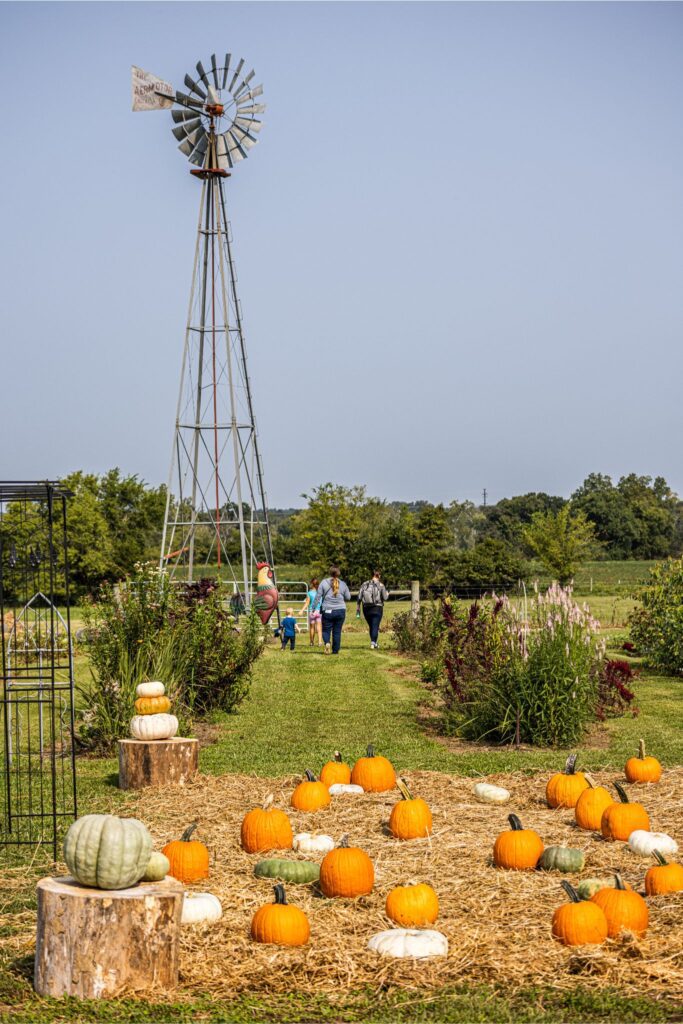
(335, 772)
(311, 795)
(663, 877)
(411, 817)
(373, 772)
(266, 828)
(624, 909)
(621, 818)
(152, 705)
(346, 871)
(413, 906)
(579, 922)
(189, 858)
(565, 788)
(279, 923)
(590, 806)
(642, 768)
(519, 849)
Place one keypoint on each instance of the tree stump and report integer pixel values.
(157, 762)
(95, 942)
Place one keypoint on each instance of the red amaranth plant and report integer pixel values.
(615, 698)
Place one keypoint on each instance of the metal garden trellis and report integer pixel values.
(37, 753)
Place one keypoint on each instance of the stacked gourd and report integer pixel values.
(346, 871)
(153, 721)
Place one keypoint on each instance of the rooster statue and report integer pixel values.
(266, 598)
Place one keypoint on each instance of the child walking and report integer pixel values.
(288, 629)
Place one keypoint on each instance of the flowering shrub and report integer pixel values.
(522, 674)
(657, 625)
(614, 695)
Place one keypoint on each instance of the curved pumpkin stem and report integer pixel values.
(590, 780)
(344, 841)
(309, 775)
(337, 756)
(187, 834)
(570, 891)
(618, 884)
(641, 749)
(371, 750)
(515, 823)
(280, 896)
(570, 766)
(268, 802)
(403, 789)
(622, 792)
(660, 858)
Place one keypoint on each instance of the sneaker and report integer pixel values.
(372, 645)
(328, 649)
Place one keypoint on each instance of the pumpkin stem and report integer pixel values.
(268, 802)
(570, 891)
(570, 766)
(344, 841)
(371, 750)
(337, 756)
(641, 749)
(659, 858)
(618, 884)
(515, 823)
(309, 775)
(589, 780)
(405, 792)
(622, 792)
(185, 837)
(280, 896)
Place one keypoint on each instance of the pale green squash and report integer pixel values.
(296, 871)
(561, 858)
(107, 852)
(158, 867)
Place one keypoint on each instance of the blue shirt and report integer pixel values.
(288, 625)
(312, 594)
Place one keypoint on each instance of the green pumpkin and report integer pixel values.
(561, 858)
(589, 886)
(158, 867)
(107, 852)
(297, 871)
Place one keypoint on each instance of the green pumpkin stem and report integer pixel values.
(641, 749)
(337, 756)
(280, 896)
(570, 766)
(622, 792)
(515, 823)
(309, 775)
(371, 750)
(660, 858)
(403, 789)
(618, 884)
(570, 891)
(187, 834)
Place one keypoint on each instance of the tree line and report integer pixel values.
(116, 521)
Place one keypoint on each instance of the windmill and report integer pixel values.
(216, 511)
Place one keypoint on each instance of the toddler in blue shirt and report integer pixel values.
(289, 629)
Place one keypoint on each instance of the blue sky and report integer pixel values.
(459, 241)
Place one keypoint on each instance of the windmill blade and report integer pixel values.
(193, 87)
(213, 96)
(223, 162)
(183, 115)
(248, 124)
(187, 128)
(214, 70)
(246, 140)
(186, 147)
(258, 91)
(222, 153)
(187, 101)
(226, 68)
(201, 72)
(255, 108)
(244, 83)
(198, 154)
(236, 146)
(238, 70)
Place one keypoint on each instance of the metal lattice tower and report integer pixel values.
(216, 512)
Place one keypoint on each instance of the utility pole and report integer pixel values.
(484, 493)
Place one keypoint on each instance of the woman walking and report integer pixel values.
(371, 598)
(331, 599)
(311, 608)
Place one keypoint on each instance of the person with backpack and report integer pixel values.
(331, 600)
(371, 598)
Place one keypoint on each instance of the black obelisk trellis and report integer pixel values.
(38, 782)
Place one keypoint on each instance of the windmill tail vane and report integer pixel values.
(216, 511)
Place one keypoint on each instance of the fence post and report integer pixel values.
(414, 599)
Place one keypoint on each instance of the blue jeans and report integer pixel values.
(291, 640)
(373, 616)
(332, 623)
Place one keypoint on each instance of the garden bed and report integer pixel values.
(497, 922)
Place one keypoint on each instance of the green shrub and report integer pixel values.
(657, 625)
(420, 635)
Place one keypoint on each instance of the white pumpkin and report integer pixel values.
(199, 907)
(644, 843)
(345, 787)
(154, 727)
(414, 942)
(490, 794)
(308, 842)
(150, 689)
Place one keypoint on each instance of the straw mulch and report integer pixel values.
(497, 922)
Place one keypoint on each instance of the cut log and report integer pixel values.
(157, 762)
(93, 943)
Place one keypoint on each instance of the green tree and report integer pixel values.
(325, 532)
(508, 519)
(562, 540)
(657, 623)
(387, 540)
(637, 518)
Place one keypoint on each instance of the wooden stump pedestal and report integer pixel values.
(157, 762)
(93, 943)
